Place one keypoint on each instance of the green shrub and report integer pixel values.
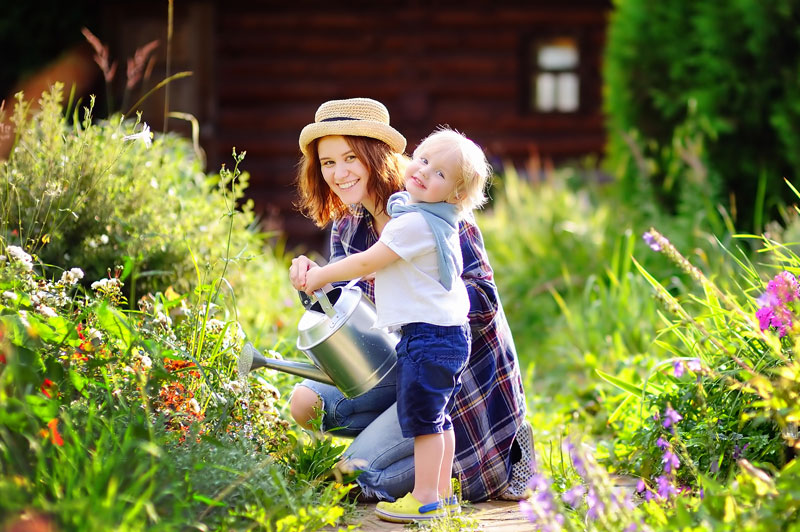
(80, 194)
(726, 84)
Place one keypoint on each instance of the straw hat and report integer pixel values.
(360, 117)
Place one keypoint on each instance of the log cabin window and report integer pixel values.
(554, 80)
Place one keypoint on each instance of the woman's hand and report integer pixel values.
(298, 270)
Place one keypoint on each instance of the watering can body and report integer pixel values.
(336, 334)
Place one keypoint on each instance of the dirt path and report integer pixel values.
(490, 516)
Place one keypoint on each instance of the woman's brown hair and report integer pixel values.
(384, 171)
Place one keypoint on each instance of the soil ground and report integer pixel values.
(489, 516)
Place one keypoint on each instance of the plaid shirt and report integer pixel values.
(491, 404)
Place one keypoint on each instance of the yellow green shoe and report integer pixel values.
(451, 505)
(408, 509)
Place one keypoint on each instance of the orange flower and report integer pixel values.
(53, 426)
(47, 387)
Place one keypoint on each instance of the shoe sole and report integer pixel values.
(401, 518)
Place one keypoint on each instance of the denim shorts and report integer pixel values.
(430, 360)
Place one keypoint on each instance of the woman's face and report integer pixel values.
(342, 170)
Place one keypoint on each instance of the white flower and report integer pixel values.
(19, 255)
(10, 295)
(146, 362)
(44, 310)
(145, 135)
(72, 276)
(105, 283)
(104, 239)
(194, 405)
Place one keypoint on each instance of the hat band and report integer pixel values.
(337, 118)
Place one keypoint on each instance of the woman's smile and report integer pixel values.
(348, 184)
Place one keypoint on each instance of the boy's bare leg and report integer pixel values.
(428, 453)
(446, 471)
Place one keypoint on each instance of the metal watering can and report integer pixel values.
(336, 333)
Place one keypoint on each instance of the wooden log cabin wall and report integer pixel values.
(519, 77)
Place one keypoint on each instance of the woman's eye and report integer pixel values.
(423, 160)
(327, 163)
(350, 158)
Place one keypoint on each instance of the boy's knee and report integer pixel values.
(304, 405)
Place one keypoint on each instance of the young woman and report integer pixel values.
(347, 180)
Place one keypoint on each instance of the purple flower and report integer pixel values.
(694, 365)
(665, 487)
(633, 527)
(527, 510)
(573, 495)
(671, 461)
(661, 443)
(641, 486)
(714, 468)
(538, 482)
(773, 311)
(677, 368)
(651, 241)
(738, 452)
(785, 287)
(595, 505)
(671, 417)
(577, 460)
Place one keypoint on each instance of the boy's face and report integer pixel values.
(432, 175)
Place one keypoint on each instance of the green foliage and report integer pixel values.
(724, 93)
(80, 194)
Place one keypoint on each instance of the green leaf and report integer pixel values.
(45, 409)
(115, 323)
(627, 386)
(78, 380)
(202, 498)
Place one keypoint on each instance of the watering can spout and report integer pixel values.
(251, 359)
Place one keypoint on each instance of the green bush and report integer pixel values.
(78, 193)
(710, 81)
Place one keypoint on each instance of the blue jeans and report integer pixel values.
(378, 447)
(430, 359)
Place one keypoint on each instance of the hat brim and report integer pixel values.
(358, 128)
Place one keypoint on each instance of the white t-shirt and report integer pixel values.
(408, 290)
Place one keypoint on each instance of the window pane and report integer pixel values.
(545, 92)
(568, 92)
(558, 54)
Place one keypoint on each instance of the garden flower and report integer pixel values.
(595, 504)
(677, 368)
(573, 495)
(665, 487)
(670, 461)
(773, 310)
(694, 365)
(19, 255)
(47, 387)
(671, 417)
(46, 311)
(661, 443)
(738, 452)
(651, 241)
(541, 507)
(54, 435)
(72, 276)
(145, 135)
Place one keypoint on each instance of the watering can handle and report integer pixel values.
(325, 303)
(304, 299)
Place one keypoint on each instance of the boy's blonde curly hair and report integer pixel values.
(475, 170)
